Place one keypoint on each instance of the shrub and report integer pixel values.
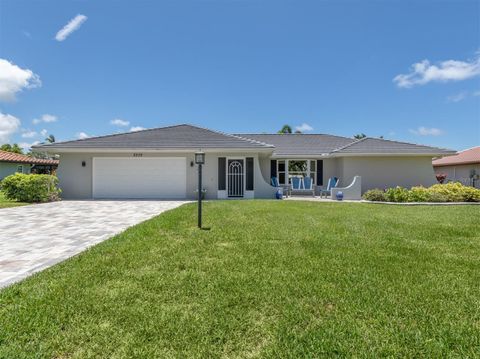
(419, 194)
(397, 194)
(450, 192)
(31, 188)
(456, 192)
(376, 195)
(436, 197)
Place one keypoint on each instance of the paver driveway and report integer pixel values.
(35, 237)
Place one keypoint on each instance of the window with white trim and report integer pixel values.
(286, 169)
(20, 169)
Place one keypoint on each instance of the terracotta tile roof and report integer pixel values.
(17, 158)
(471, 155)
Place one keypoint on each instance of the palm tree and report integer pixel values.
(9, 148)
(286, 129)
(359, 136)
(50, 139)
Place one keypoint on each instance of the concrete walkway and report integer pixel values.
(35, 237)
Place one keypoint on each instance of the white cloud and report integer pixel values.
(426, 131)
(28, 134)
(457, 97)
(26, 146)
(45, 118)
(81, 135)
(304, 127)
(137, 128)
(44, 133)
(119, 122)
(14, 79)
(72, 26)
(8, 126)
(451, 70)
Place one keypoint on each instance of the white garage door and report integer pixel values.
(116, 177)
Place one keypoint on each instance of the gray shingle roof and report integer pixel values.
(193, 138)
(380, 146)
(301, 144)
(172, 137)
(318, 144)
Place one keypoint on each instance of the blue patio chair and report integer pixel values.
(308, 185)
(274, 181)
(297, 184)
(332, 183)
(302, 185)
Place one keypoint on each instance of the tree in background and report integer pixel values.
(15, 148)
(42, 155)
(286, 129)
(359, 136)
(50, 139)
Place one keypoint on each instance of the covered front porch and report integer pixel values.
(309, 177)
(302, 176)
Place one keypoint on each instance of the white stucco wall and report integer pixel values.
(385, 172)
(376, 172)
(460, 173)
(76, 181)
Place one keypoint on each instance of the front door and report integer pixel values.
(235, 178)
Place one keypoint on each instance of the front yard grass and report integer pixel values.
(273, 279)
(5, 203)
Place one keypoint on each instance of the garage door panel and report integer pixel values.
(115, 177)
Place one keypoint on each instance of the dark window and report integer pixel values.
(249, 169)
(320, 172)
(222, 186)
(273, 168)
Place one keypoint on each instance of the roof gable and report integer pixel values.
(380, 146)
(172, 137)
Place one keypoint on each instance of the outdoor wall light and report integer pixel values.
(83, 164)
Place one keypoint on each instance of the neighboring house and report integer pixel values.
(159, 163)
(464, 167)
(11, 163)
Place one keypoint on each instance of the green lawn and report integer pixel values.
(5, 203)
(274, 279)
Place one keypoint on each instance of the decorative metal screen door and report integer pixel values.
(235, 178)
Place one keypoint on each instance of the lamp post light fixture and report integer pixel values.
(200, 160)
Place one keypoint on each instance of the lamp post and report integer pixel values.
(200, 160)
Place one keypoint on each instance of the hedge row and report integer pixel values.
(450, 192)
(31, 188)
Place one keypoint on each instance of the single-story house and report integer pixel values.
(11, 163)
(159, 163)
(463, 167)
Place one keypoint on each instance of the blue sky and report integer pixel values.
(241, 66)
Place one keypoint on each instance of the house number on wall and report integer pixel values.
(137, 154)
